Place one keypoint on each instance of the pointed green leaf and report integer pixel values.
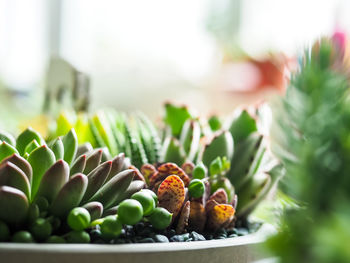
(95, 209)
(134, 187)
(93, 161)
(84, 149)
(220, 146)
(26, 137)
(13, 176)
(6, 150)
(79, 165)
(40, 159)
(109, 193)
(70, 195)
(246, 159)
(21, 163)
(175, 117)
(31, 146)
(13, 205)
(7, 137)
(106, 155)
(70, 143)
(252, 193)
(53, 180)
(173, 152)
(58, 148)
(242, 125)
(117, 165)
(96, 178)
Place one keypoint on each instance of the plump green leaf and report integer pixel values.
(117, 165)
(31, 146)
(93, 160)
(96, 178)
(21, 163)
(53, 180)
(26, 137)
(220, 146)
(13, 176)
(13, 205)
(252, 193)
(109, 193)
(175, 117)
(84, 149)
(172, 151)
(242, 125)
(40, 159)
(6, 150)
(58, 148)
(70, 195)
(7, 137)
(134, 187)
(106, 155)
(70, 143)
(79, 165)
(246, 159)
(95, 209)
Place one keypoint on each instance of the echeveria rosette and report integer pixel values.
(47, 182)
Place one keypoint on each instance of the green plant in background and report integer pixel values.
(135, 135)
(312, 135)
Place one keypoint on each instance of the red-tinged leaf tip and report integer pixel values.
(219, 196)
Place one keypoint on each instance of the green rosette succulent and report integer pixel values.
(40, 183)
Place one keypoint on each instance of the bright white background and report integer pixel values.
(140, 53)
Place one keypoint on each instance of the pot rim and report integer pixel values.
(250, 239)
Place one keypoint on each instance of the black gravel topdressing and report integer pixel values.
(144, 233)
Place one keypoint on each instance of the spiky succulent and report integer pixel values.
(134, 135)
(40, 181)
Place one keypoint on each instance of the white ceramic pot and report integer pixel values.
(231, 250)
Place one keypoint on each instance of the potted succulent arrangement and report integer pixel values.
(111, 178)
